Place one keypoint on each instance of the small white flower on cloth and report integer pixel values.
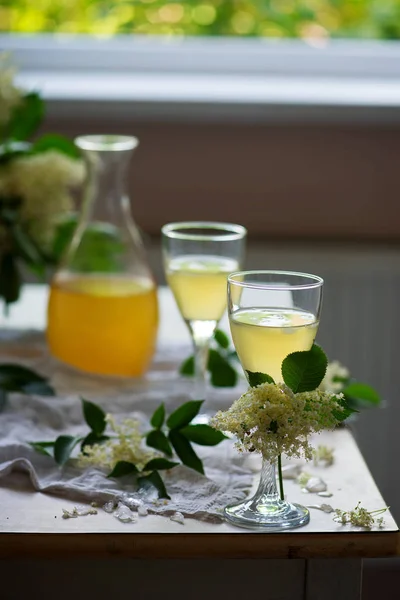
(291, 471)
(124, 514)
(315, 485)
(109, 507)
(178, 518)
(325, 494)
(142, 511)
(78, 511)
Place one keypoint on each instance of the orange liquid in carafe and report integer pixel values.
(103, 324)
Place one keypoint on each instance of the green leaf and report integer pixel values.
(185, 451)
(95, 417)
(256, 379)
(304, 371)
(204, 435)
(41, 447)
(222, 372)
(221, 338)
(342, 415)
(16, 378)
(3, 399)
(158, 440)
(38, 388)
(362, 391)
(157, 420)
(26, 117)
(155, 480)
(159, 464)
(123, 468)
(93, 438)
(187, 367)
(10, 279)
(63, 448)
(54, 141)
(184, 414)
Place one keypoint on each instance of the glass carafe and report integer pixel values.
(102, 312)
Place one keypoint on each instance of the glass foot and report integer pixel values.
(276, 515)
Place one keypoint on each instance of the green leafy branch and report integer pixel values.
(168, 435)
(221, 365)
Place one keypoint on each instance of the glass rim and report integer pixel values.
(233, 231)
(315, 280)
(106, 142)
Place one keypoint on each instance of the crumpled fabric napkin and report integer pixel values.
(29, 419)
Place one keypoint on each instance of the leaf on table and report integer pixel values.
(221, 371)
(185, 451)
(204, 435)
(158, 417)
(42, 447)
(38, 388)
(156, 481)
(95, 416)
(184, 414)
(159, 464)
(10, 279)
(158, 440)
(63, 447)
(123, 468)
(15, 378)
(187, 367)
(221, 338)
(257, 378)
(303, 371)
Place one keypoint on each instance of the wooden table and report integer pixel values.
(200, 555)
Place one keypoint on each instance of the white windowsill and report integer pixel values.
(211, 79)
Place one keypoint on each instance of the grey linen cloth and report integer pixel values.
(29, 419)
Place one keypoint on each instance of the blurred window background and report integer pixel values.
(314, 19)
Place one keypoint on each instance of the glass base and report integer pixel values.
(276, 515)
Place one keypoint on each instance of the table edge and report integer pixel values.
(200, 545)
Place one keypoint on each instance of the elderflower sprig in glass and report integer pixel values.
(198, 257)
(273, 420)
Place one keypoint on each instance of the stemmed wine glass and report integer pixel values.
(271, 314)
(198, 257)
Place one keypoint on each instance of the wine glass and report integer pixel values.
(198, 257)
(271, 314)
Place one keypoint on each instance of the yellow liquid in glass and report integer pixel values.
(199, 285)
(263, 337)
(104, 325)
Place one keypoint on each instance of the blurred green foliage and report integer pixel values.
(264, 18)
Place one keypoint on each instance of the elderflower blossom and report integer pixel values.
(126, 446)
(335, 370)
(272, 420)
(360, 517)
(10, 95)
(43, 183)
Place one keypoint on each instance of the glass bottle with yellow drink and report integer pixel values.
(102, 312)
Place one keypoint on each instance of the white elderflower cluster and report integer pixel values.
(126, 445)
(335, 370)
(43, 182)
(10, 95)
(272, 420)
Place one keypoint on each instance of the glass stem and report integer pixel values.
(201, 332)
(267, 491)
(282, 494)
(200, 367)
